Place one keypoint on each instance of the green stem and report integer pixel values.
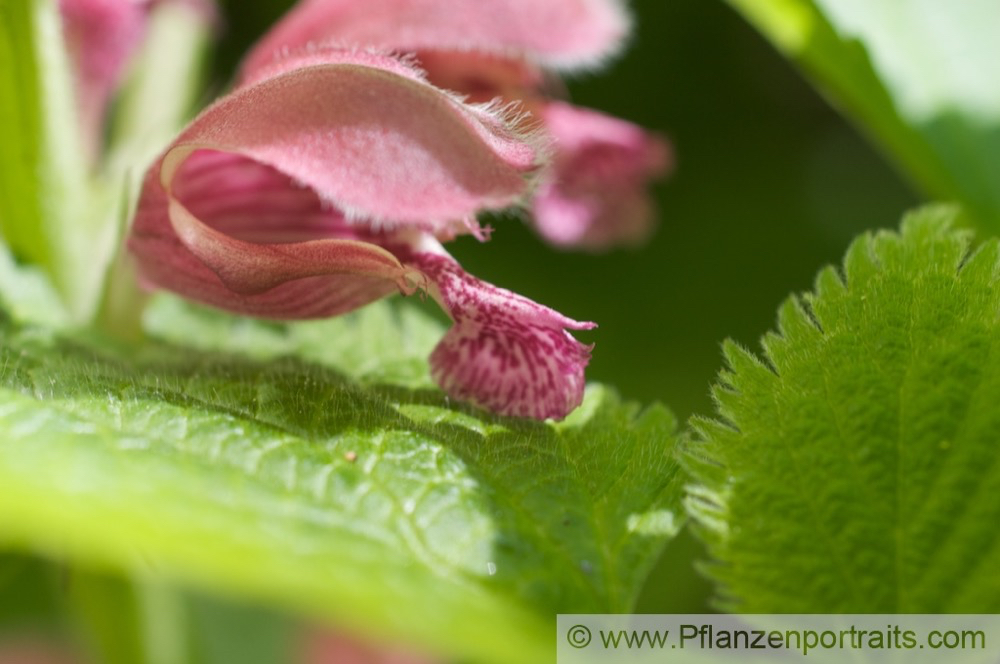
(154, 105)
(45, 211)
(129, 621)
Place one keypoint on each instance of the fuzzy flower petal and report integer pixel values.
(322, 153)
(504, 352)
(596, 196)
(238, 253)
(558, 34)
(100, 37)
(382, 147)
(321, 188)
(482, 77)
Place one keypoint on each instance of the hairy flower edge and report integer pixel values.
(563, 35)
(319, 213)
(595, 197)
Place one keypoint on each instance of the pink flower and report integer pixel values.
(101, 38)
(328, 180)
(595, 196)
(559, 34)
(100, 35)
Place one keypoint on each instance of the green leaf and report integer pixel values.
(46, 212)
(20, 118)
(377, 345)
(29, 596)
(855, 467)
(27, 294)
(308, 474)
(919, 76)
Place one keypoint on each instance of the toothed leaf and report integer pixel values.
(854, 468)
(315, 467)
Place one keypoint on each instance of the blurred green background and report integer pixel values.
(770, 185)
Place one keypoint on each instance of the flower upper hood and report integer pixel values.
(328, 180)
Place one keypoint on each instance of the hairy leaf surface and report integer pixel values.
(313, 466)
(854, 468)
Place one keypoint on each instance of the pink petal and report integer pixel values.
(384, 148)
(100, 37)
(561, 34)
(272, 202)
(519, 147)
(504, 352)
(317, 189)
(254, 202)
(312, 55)
(299, 280)
(596, 197)
(482, 77)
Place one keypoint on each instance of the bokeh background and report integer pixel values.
(770, 185)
